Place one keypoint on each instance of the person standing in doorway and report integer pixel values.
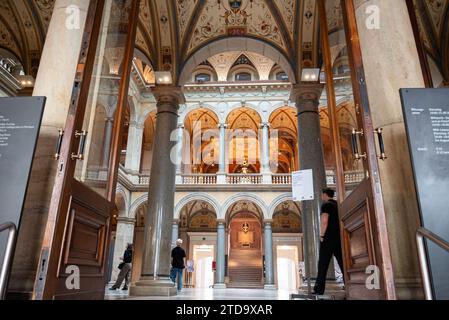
(178, 263)
(125, 268)
(330, 239)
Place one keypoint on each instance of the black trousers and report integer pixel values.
(328, 248)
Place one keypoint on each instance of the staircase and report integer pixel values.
(245, 269)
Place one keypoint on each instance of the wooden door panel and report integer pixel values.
(86, 237)
(358, 243)
(86, 233)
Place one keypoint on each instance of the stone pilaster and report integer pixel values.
(268, 249)
(266, 171)
(134, 147)
(221, 252)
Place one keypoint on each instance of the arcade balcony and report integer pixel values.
(276, 182)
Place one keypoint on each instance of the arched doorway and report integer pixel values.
(198, 230)
(245, 262)
(288, 248)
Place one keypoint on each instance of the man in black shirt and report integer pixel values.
(330, 239)
(178, 264)
(125, 269)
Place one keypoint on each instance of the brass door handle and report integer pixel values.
(355, 144)
(59, 145)
(83, 136)
(383, 155)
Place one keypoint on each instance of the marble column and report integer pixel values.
(134, 147)
(174, 232)
(179, 153)
(221, 252)
(221, 175)
(307, 97)
(54, 80)
(123, 236)
(268, 248)
(156, 260)
(109, 124)
(391, 62)
(266, 172)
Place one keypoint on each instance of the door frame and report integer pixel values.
(369, 192)
(47, 283)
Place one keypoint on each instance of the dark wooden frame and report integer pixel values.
(65, 185)
(367, 199)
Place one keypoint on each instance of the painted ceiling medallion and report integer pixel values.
(236, 19)
(235, 4)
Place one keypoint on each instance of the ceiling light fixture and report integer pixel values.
(163, 77)
(310, 75)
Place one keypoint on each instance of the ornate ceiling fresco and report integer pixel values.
(433, 22)
(170, 32)
(186, 26)
(23, 27)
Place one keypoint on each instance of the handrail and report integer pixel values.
(422, 234)
(8, 256)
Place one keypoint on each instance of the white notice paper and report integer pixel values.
(302, 185)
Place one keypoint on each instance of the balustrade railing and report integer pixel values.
(351, 177)
(281, 179)
(244, 179)
(199, 179)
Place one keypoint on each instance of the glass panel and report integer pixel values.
(103, 96)
(348, 115)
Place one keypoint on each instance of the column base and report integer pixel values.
(221, 178)
(220, 286)
(155, 288)
(267, 178)
(270, 287)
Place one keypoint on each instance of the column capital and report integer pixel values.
(221, 222)
(175, 222)
(109, 119)
(222, 125)
(181, 126)
(265, 125)
(126, 220)
(309, 94)
(168, 95)
(268, 222)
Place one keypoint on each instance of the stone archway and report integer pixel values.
(245, 251)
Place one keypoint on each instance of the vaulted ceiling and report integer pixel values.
(172, 31)
(433, 22)
(23, 27)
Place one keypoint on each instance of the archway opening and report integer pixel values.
(245, 246)
(198, 230)
(201, 142)
(243, 141)
(288, 248)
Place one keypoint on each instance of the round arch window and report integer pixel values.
(203, 77)
(243, 76)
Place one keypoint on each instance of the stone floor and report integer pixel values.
(222, 294)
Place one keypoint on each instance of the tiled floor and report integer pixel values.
(217, 294)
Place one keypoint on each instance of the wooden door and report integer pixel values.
(367, 261)
(74, 255)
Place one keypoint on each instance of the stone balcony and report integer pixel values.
(185, 182)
